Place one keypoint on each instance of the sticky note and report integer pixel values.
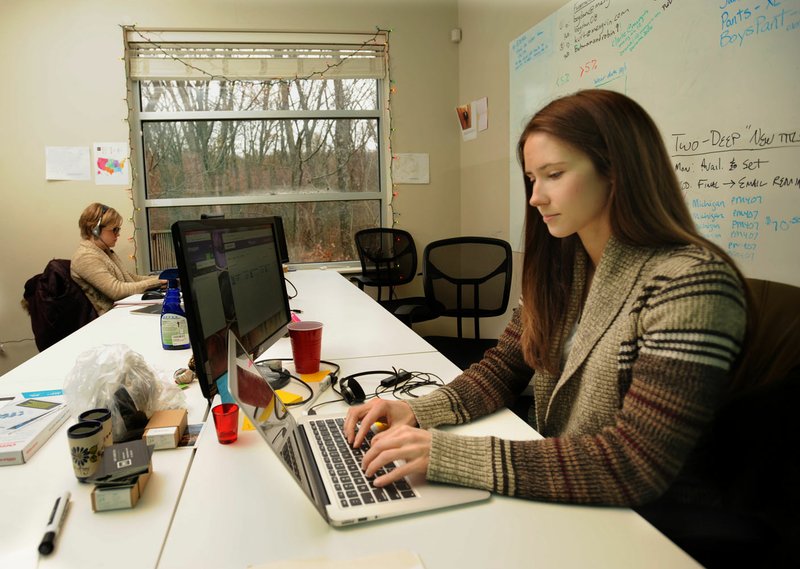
(288, 397)
(315, 377)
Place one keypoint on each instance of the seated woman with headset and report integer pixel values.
(97, 268)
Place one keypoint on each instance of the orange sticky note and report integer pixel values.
(315, 377)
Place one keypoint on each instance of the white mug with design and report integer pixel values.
(104, 416)
(86, 447)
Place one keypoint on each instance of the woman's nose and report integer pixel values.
(537, 198)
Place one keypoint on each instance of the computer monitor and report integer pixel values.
(283, 248)
(232, 279)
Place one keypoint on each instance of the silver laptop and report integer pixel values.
(316, 454)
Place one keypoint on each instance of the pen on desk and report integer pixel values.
(323, 385)
(54, 524)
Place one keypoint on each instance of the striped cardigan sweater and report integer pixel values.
(651, 354)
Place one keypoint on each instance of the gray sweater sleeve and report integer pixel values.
(485, 387)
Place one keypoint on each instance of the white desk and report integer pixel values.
(238, 504)
(119, 539)
(241, 507)
(354, 324)
(133, 538)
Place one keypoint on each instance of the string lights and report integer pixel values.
(262, 84)
(392, 91)
(127, 120)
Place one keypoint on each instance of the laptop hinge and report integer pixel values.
(320, 498)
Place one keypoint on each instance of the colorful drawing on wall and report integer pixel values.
(465, 114)
(112, 163)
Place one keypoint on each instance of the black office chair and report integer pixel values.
(389, 259)
(466, 278)
(747, 459)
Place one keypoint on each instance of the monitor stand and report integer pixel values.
(273, 372)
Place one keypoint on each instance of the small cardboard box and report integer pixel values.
(119, 497)
(165, 428)
(27, 422)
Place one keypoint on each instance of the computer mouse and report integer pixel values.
(152, 295)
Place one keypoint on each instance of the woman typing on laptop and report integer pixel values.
(97, 268)
(629, 325)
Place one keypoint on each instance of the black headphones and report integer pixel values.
(351, 390)
(396, 381)
(96, 228)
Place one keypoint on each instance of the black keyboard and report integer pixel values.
(352, 486)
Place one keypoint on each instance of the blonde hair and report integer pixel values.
(97, 216)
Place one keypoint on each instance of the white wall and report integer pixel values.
(64, 85)
(487, 29)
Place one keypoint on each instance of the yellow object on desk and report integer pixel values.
(315, 377)
(286, 396)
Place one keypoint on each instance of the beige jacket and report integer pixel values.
(103, 278)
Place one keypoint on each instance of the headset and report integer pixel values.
(96, 228)
(396, 381)
(352, 392)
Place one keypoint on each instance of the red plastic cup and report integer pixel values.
(226, 422)
(306, 338)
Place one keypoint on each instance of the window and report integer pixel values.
(246, 124)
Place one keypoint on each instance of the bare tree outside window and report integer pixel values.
(306, 149)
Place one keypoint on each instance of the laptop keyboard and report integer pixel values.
(352, 486)
(290, 461)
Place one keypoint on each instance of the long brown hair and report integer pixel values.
(645, 203)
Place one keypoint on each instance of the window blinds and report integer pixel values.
(196, 55)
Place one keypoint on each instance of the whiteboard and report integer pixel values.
(721, 78)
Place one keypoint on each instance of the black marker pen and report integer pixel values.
(54, 524)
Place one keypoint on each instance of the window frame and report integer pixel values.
(138, 118)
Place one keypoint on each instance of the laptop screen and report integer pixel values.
(262, 407)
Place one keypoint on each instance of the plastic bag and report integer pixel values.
(102, 375)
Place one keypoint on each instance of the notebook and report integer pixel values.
(313, 450)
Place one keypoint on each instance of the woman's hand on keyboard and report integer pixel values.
(410, 444)
(360, 419)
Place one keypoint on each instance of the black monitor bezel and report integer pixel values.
(197, 337)
(280, 234)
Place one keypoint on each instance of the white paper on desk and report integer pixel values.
(66, 163)
(390, 560)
